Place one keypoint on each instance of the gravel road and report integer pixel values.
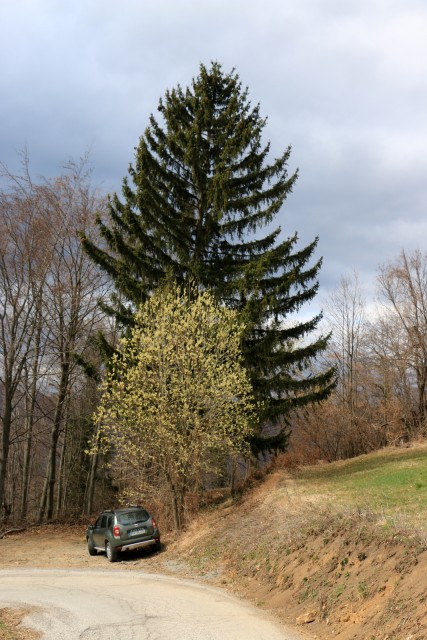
(76, 604)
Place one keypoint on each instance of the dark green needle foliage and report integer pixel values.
(198, 195)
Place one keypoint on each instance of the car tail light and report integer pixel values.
(116, 531)
(154, 523)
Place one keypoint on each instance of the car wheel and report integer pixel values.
(157, 546)
(90, 547)
(112, 554)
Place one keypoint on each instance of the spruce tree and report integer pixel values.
(197, 197)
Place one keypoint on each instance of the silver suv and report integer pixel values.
(121, 530)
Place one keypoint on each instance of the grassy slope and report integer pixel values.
(390, 481)
(343, 545)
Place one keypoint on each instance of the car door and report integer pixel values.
(99, 531)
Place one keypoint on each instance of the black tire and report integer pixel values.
(157, 546)
(112, 554)
(90, 547)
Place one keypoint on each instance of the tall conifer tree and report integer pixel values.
(199, 193)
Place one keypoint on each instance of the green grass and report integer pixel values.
(390, 481)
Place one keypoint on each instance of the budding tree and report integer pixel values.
(177, 398)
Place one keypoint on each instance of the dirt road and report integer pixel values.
(121, 605)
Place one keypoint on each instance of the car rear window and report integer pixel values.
(132, 517)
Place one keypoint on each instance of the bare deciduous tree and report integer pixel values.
(74, 286)
(23, 265)
(48, 316)
(403, 289)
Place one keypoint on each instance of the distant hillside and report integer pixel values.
(340, 548)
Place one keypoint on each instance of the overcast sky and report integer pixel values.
(342, 81)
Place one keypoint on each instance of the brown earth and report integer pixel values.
(11, 627)
(330, 574)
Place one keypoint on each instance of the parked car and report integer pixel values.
(117, 530)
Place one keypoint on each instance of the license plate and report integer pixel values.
(136, 532)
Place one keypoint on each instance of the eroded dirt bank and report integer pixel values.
(344, 574)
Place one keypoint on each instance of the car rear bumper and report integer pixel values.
(137, 545)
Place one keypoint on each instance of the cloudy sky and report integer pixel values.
(342, 81)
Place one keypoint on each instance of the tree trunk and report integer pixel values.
(27, 462)
(47, 500)
(178, 498)
(177, 504)
(233, 477)
(4, 450)
(56, 428)
(30, 419)
(60, 497)
(63, 473)
(42, 505)
(90, 486)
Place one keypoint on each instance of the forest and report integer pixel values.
(51, 317)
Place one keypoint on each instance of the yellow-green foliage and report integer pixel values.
(178, 396)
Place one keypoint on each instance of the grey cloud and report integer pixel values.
(344, 83)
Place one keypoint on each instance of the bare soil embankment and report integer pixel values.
(333, 573)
